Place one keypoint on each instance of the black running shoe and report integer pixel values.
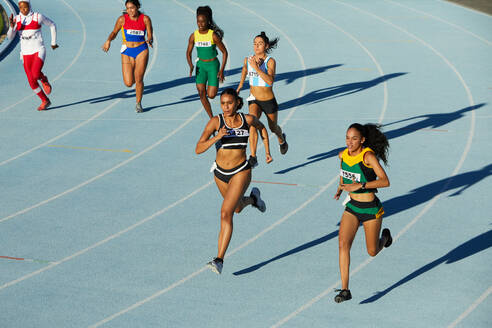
(344, 295)
(387, 233)
(284, 146)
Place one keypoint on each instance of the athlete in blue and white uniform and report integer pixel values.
(231, 169)
(260, 70)
(134, 25)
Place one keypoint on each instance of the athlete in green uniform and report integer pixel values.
(206, 39)
(361, 175)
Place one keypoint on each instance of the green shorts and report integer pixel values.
(207, 71)
(365, 211)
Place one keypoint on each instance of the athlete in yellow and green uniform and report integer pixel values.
(207, 38)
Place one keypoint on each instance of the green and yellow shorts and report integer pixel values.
(365, 211)
(207, 71)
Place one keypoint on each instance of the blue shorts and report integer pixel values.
(134, 52)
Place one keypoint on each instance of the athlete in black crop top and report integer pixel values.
(231, 169)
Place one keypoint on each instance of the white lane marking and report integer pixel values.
(431, 202)
(114, 168)
(237, 249)
(374, 60)
(443, 21)
(104, 241)
(471, 308)
(74, 60)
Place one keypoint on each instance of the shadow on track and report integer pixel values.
(469, 248)
(429, 121)
(398, 204)
(289, 77)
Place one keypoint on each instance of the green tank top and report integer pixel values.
(354, 169)
(205, 46)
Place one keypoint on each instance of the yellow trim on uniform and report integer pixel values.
(123, 34)
(204, 37)
(352, 160)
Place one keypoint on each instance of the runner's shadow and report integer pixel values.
(429, 121)
(288, 77)
(418, 196)
(398, 204)
(290, 252)
(336, 91)
(469, 248)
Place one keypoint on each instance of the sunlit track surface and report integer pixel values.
(108, 217)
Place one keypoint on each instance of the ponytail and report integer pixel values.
(207, 12)
(272, 44)
(375, 139)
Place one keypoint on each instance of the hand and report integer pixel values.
(220, 75)
(238, 90)
(268, 158)
(351, 187)
(252, 62)
(11, 20)
(54, 47)
(338, 194)
(106, 46)
(150, 42)
(191, 70)
(222, 132)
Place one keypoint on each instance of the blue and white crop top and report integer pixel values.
(236, 138)
(254, 78)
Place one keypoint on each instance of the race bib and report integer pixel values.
(135, 32)
(350, 175)
(202, 44)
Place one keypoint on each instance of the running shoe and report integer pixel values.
(387, 233)
(257, 201)
(46, 86)
(216, 265)
(343, 295)
(253, 161)
(44, 105)
(284, 146)
(138, 108)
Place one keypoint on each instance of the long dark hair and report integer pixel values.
(375, 139)
(207, 12)
(233, 92)
(272, 44)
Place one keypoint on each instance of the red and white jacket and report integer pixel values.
(29, 30)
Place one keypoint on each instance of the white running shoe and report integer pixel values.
(216, 266)
(257, 201)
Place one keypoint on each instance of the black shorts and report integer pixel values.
(365, 211)
(226, 174)
(267, 106)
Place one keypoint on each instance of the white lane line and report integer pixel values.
(74, 60)
(114, 168)
(237, 249)
(106, 240)
(431, 202)
(271, 227)
(442, 21)
(192, 275)
(471, 308)
(353, 38)
(92, 118)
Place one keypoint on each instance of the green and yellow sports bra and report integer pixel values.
(354, 169)
(205, 46)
